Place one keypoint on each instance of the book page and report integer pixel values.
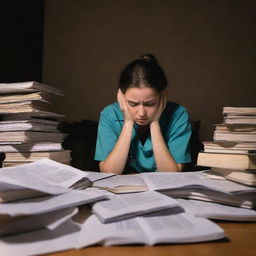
(129, 205)
(29, 182)
(246, 200)
(120, 180)
(44, 170)
(50, 203)
(217, 211)
(167, 181)
(41, 241)
(120, 232)
(171, 227)
(50, 220)
(95, 176)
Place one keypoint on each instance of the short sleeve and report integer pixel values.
(107, 135)
(179, 136)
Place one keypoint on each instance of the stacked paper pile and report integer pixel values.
(29, 126)
(232, 154)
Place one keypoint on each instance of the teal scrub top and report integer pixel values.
(176, 130)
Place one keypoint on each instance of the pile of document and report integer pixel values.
(232, 153)
(28, 125)
(48, 206)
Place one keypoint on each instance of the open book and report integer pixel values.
(125, 206)
(41, 177)
(185, 185)
(217, 211)
(169, 226)
(50, 220)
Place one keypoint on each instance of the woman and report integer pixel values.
(142, 132)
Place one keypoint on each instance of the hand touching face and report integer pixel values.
(144, 104)
(123, 106)
(161, 107)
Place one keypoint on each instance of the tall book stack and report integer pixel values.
(232, 153)
(28, 124)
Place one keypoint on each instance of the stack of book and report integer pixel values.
(28, 125)
(232, 153)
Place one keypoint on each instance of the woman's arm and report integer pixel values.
(116, 160)
(163, 158)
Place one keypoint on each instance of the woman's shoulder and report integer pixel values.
(112, 110)
(175, 108)
(111, 107)
(175, 115)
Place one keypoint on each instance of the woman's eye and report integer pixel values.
(133, 104)
(150, 104)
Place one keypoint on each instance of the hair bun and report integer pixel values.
(149, 58)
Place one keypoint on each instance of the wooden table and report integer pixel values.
(241, 240)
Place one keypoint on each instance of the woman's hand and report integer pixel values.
(161, 107)
(123, 106)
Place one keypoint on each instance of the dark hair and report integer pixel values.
(144, 71)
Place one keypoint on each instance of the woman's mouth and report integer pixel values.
(141, 120)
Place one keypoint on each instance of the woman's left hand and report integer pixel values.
(161, 107)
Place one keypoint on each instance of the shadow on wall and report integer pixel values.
(81, 140)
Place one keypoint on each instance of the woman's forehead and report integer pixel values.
(141, 93)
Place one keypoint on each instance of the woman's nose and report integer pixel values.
(142, 111)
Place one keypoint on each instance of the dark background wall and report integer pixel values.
(207, 48)
(21, 40)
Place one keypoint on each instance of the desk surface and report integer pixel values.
(241, 241)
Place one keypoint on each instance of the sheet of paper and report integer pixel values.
(48, 170)
(120, 180)
(217, 211)
(246, 200)
(50, 203)
(179, 228)
(44, 175)
(50, 220)
(173, 180)
(129, 205)
(95, 176)
(41, 241)
(169, 226)
(122, 232)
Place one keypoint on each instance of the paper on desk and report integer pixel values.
(120, 180)
(170, 226)
(95, 176)
(44, 175)
(41, 241)
(217, 211)
(174, 180)
(50, 203)
(47, 170)
(50, 220)
(125, 206)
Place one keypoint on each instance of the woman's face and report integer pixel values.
(142, 103)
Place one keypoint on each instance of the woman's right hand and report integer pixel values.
(123, 106)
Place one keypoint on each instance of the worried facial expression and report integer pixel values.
(142, 104)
